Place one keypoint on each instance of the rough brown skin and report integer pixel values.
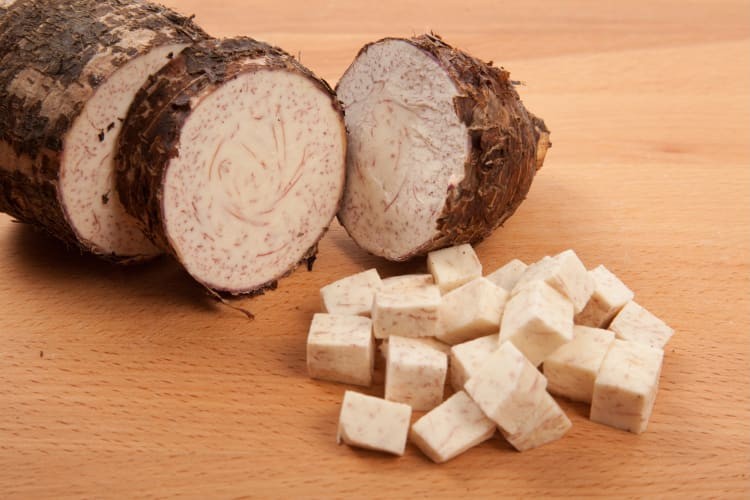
(57, 38)
(4, 5)
(151, 133)
(508, 145)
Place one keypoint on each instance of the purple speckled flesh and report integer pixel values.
(242, 169)
(441, 148)
(68, 73)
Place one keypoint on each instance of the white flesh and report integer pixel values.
(414, 373)
(537, 320)
(430, 342)
(470, 311)
(351, 295)
(257, 181)
(453, 266)
(341, 349)
(546, 423)
(565, 273)
(87, 183)
(407, 147)
(466, 359)
(373, 423)
(635, 323)
(407, 282)
(507, 387)
(608, 298)
(507, 276)
(571, 369)
(451, 428)
(407, 313)
(626, 386)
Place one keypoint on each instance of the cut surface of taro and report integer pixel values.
(65, 104)
(253, 175)
(441, 149)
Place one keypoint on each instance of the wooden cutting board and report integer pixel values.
(129, 382)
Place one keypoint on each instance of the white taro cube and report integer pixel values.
(452, 267)
(373, 423)
(547, 423)
(414, 373)
(507, 388)
(565, 273)
(537, 320)
(452, 428)
(626, 386)
(351, 295)
(637, 324)
(406, 282)
(507, 276)
(609, 297)
(341, 349)
(470, 311)
(412, 313)
(571, 370)
(428, 341)
(466, 358)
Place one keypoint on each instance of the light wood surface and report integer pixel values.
(129, 382)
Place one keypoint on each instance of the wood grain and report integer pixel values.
(129, 382)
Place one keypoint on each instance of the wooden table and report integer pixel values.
(130, 382)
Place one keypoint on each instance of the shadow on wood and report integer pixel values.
(47, 263)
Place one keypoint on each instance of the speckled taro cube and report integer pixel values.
(507, 276)
(565, 273)
(430, 342)
(571, 370)
(352, 295)
(626, 386)
(636, 324)
(407, 282)
(537, 320)
(373, 423)
(415, 373)
(452, 428)
(609, 296)
(452, 267)
(466, 358)
(546, 423)
(411, 313)
(507, 388)
(341, 349)
(470, 311)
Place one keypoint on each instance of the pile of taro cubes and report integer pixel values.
(488, 336)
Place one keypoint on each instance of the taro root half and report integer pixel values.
(441, 148)
(232, 158)
(68, 73)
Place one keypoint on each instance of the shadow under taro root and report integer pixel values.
(59, 268)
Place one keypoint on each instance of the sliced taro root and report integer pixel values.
(441, 149)
(233, 159)
(68, 73)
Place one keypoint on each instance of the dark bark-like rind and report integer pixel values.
(56, 40)
(508, 145)
(4, 6)
(151, 133)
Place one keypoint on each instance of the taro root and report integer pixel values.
(232, 158)
(441, 149)
(4, 6)
(68, 72)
